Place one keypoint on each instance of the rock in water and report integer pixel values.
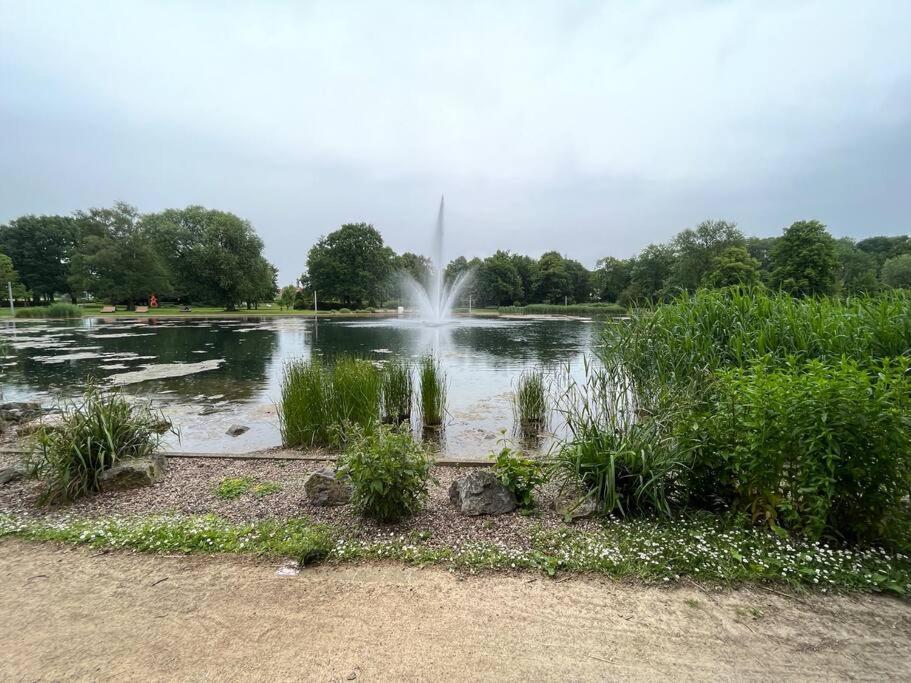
(479, 493)
(236, 430)
(572, 503)
(133, 473)
(325, 489)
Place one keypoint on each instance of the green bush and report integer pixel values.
(389, 473)
(92, 436)
(819, 449)
(344, 311)
(519, 474)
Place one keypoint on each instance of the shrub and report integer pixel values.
(530, 402)
(91, 437)
(433, 391)
(319, 403)
(389, 473)
(344, 311)
(397, 391)
(819, 449)
(519, 474)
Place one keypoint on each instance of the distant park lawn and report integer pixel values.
(275, 310)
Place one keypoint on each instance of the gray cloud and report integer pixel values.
(591, 128)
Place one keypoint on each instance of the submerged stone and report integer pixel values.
(237, 430)
(479, 493)
(325, 489)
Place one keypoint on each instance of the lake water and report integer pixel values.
(207, 374)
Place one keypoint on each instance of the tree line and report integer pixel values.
(120, 255)
(204, 256)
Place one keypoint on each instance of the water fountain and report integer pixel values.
(435, 298)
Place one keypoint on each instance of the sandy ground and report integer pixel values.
(79, 614)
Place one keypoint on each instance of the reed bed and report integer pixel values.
(529, 402)
(433, 391)
(397, 391)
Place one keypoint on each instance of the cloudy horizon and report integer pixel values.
(588, 128)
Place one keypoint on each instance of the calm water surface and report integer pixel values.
(208, 374)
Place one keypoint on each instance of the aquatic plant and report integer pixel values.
(433, 391)
(529, 402)
(389, 472)
(397, 391)
(355, 395)
(92, 435)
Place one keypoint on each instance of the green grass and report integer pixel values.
(588, 310)
(530, 405)
(703, 549)
(432, 379)
(55, 310)
(397, 392)
(321, 402)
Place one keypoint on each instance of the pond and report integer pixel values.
(208, 374)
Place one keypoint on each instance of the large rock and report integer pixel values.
(236, 430)
(10, 474)
(133, 473)
(573, 503)
(49, 422)
(479, 493)
(19, 411)
(325, 489)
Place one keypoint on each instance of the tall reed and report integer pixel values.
(356, 389)
(397, 391)
(529, 402)
(433, 391)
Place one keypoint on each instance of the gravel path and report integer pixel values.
(188, 487)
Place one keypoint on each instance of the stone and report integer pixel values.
(236, 430)
(325, 489)
(572, 503)
(50, 422)
(10, 474)
(133, 473)
(19, 411)
(479, 493)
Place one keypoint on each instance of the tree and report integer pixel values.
(897, 271)
(733, 266)
(41, 247)
(554, 284)
(580, 282)
(611, 278)
(882, 248)
(760, 248)
(804, 260)
(498, 281)
(527, 268)
(856, 268)
(8, 274)
(115, 260)
(350, 265)
(213, 256)
(649, 273)
(694, 250)
(418, 267)
(287, 297)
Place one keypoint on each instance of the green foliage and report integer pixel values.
(897, 272)
(92, 436)
(590, 310)
(389, 473)
(9, 274)
(265, 488)
(816, 448)
(287, 297)
(230, 488)
(856, 269)
(629, 462)
(696, 251)
(804, 260)
(320, 403)
(432, 379)
(344, 311)
(733, 266)
(397, 391)
(350, 265)
(56, 310)
(519, 474)
(530, 405)
(41, 248)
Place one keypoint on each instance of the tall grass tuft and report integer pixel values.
(57, 310)
(530, 404)
(433, 391)
(397, 391)
(320, 403)
(92, 436)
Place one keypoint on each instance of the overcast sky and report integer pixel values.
(592, 128)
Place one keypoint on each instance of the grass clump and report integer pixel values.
(530, 402)
(266, 488)
(93, 434)
(56, 310)
(433, 391)
(321, 403)
(518, 474)
(230, 488)
(397, 391)
(389, 473)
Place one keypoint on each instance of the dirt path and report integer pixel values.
(77, 614)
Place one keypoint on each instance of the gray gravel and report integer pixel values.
(188, 488)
